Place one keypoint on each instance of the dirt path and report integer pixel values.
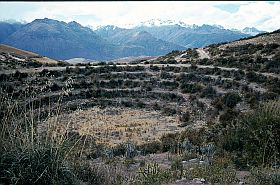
(202, 53)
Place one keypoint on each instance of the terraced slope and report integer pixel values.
(165, 104)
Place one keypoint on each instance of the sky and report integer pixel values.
(264, 15)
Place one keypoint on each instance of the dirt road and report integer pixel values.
(202, 53)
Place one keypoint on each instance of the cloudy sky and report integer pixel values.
(264, 15)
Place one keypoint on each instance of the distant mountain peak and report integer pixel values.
(252, 31)
(108, 27)
(46, 20)
(160, 22)
(218, 26)
(75, 24)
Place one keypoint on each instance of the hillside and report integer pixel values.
(194, 116)
(184, 36)
(12, 58)
(265, 38)
(60, 40)
(193, 37)
(13, 50)
(6, 29)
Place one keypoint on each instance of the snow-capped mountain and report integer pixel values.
(157, 23)
(61, 40)
(251, 31)
(160, 22)
(176, 32)
(218, 26)
(107, 27)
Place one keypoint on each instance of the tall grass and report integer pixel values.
(28, 156)
(34, 151)
(255, 137)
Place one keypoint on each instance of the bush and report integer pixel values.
(152, 174)
(55, 87)
(231, 99)
(150, 148)
(228, 116)
(208, 92)
(254, 138)
(221, 171)
(169, 142)
(169, 111)
(217, 103)
(260, 176)
(185, 116)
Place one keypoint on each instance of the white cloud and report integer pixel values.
(263, 15)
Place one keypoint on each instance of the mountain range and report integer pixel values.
(61, 40)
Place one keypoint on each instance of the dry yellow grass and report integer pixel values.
(10, 49)
(45, 60)
(112, 126)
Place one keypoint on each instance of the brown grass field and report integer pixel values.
(112, 126)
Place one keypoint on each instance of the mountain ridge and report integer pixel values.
(61, 40)
(179, 35)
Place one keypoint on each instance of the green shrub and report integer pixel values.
(228, 116)
(177, 166)
(260, 176)
(208, 92)
(152, 174)
(151, 147)
(185, 116)
(231, 99)
(169, 142)
(221, 171)
(254, 138)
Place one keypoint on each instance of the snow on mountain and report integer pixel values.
(251, 31)
(157, 23)
(218, 26)
(107, 27)
(160, 22)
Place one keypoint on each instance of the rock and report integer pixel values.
(202, 162)
(199, 180)
(193, 160)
